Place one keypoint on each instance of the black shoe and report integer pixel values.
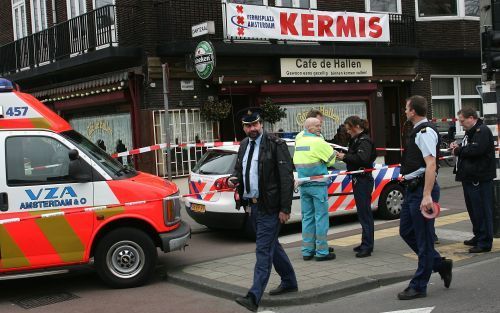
(247, 302)
(357, 248)
(410, 294)
(307, 257)
(363, 253)
(471, 242)
(280, 290)
(479, 250)
(446, 271)
(330, 249)
(328, 257)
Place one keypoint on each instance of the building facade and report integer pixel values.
(98, 63)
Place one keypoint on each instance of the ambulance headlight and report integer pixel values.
(6, 85)
(172, 211)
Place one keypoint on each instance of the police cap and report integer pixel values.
(250, 116)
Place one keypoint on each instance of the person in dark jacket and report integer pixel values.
(361, 155)
(264, 173)
(120, 147)
(476, 170)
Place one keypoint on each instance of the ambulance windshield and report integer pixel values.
(110, 165)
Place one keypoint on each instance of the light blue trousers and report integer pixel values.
(315, 223)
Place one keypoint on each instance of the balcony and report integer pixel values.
(64, 44)
(402, 27)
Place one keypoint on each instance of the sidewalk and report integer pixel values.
(392, 261)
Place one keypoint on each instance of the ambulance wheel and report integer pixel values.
(125, 257)
(390, 202)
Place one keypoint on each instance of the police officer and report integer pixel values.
(476, 170)
(311, 158)
(361, 155)
(419, 170)
(264, 172)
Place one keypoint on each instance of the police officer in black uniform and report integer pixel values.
(419, 170)
(361, 155)
(264, 172)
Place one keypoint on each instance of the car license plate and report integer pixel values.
(198, 208)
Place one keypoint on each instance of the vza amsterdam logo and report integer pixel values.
(204, 59)
(246, 21)
(52, 198)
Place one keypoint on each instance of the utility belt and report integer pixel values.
(414, 183)
(250, 201)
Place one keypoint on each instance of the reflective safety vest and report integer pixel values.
(312, 157)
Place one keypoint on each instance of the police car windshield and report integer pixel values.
(110, 165)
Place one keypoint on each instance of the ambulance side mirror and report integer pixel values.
(79, 170)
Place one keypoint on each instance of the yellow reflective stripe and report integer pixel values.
(62, 237)
(12, 256)
(40, 122)
(107, 213)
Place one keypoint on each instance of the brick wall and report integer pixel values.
(7, 33)
(443, 35)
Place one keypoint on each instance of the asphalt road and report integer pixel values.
(474, 289)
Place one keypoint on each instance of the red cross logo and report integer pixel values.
(241, 31)
(241, 20)
(239, 9)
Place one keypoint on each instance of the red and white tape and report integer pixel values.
(184, 145)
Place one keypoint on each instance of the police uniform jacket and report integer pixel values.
(361, 153)
(275, 172)
(412, 158)
(476, 159)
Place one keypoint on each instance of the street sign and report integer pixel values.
(204, 28)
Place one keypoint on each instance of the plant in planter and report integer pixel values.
(272, 112)
(215, 111)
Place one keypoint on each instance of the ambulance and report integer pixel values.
(65, 202)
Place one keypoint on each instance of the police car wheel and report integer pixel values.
(390, 202)
(125, 257)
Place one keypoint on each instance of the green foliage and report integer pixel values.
(215, 110)
(272, 112)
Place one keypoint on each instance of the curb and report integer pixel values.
(321, 294)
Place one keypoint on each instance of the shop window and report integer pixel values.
(390, 6)
(36, 160)
(450, 94)
(303, 4)
(443, 9)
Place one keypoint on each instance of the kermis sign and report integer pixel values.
(262, 22)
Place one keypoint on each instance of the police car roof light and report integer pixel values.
(6, 85)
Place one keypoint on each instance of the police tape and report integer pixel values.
(162, 146)
(70, 211)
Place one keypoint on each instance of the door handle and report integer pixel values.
(4, 202)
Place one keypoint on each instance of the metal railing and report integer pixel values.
(91, 31)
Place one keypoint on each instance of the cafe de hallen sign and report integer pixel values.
(268, 22)
(204, 59)
(310, 67)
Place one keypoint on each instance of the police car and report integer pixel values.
(218, 210)
(64, 201)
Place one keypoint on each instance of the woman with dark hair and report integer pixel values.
(361, 155)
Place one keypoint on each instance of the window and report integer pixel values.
(390, 6)
(255, 2)
(450, 94)
(19, 19)
(38, 15)
(75, 8)
(432, 9)
(101, 3)
(36, 160)
(303, 4)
